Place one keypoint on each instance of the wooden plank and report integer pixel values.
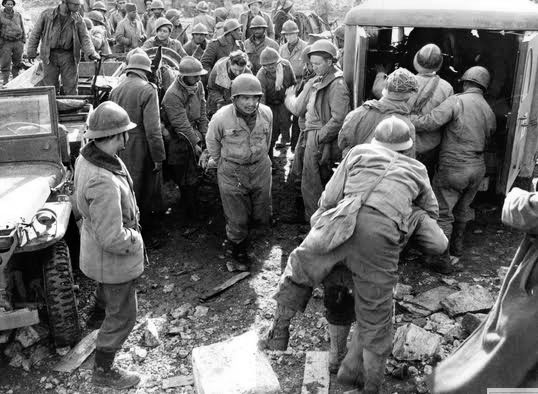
(178, 381)
(223, 286)
(316, 378)
(78, 354)
(18, 318)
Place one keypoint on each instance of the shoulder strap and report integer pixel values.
(379, 178)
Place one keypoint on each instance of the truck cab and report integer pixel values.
(499, 35)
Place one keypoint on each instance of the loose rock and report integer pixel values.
(139, 354)
(402, 290)
(168, 288)
(200, 311)
(151, 335)
(472, 298)
(470, 321)
(181, 311)
(30, 335)
(414, 343)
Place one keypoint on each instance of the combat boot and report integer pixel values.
(456, 239)
(279, 334)
(374, 369)
(240, 255)
(106, 375)
(338, 337)
(351, 371)
(441, 264)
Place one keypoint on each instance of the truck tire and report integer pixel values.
(60, 296)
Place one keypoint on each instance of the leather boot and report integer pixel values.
(441, 264)
(374, 369)
(279, 334)
(351, 371)
(456, 239)
(338, 337)
(240, 255)
(106, 375)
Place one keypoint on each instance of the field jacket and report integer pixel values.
(12, 27)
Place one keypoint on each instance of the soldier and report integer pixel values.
(257, 42)
(220, 14)
(360, 124)
(98, 33)
(117, 15)
(339, 41)
(221, 77)
(324, 102)
(247, 18)
(157, 10)
(361, 221)
(111, 245)
(100, 7)
(292, 50)
(432, 91)
(129, 32)
(13, 37)
(238, 143)
(204, 18)
(144, 152)
(197, 45)
(62, 33)
(276, 75)
(147, 14)
(222, 46)
(184, 107)
(162, 38)
(283, 12)
(470, 123)
(178, 32)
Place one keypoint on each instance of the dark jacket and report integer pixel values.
(45, 29)
(195, 50)
(271, 96)
(12, 27)
(219, 48)
(174, 45)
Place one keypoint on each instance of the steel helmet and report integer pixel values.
(254, 1)
(88, 22)
(99, 6)
(289, 27)
(139, 61)
(96, 16)
(160, 22)
(478, 75)
(246, 85)
(202, 6)
(221, 13)
(428, 59)
(5, 1)
(402, 80)
(269, 56)
(258, 21)
(286, 4)
(340, 32)
(393, 133)
(230, 25)
(200, 28)
(191, 67)
(156, 5)
(108, 119)
(324, 46)
(172, 13)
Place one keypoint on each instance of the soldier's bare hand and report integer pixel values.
(95, 56)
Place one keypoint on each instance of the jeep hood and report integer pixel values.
(25, 187)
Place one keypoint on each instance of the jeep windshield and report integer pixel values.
(24, 115)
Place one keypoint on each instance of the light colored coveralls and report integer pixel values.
(244, 168)
(325, 103)
(373, 251)
(461, 158)
(145, 146)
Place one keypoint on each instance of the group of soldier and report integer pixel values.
(362, 178)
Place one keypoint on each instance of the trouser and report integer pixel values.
(371, 255)
(61, 64)
(120, 314)
(297, 165)
(245, 191)
(281, 124)
(455, 188)
(295, 131)
(430, 159)
(315, 175)
(11, 53)
(182, 162)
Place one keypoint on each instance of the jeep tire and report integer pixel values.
(60, 296)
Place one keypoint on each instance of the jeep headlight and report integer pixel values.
(46, 217)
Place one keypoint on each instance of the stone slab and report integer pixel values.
(414, 343)
(471, 298)
(316, 378)
(235, 366)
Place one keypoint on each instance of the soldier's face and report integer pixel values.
(132, 15)
(9, 5)
(258, 32)
(270, 68)
(73, 5)
(247, 104)
(292, 38)
(191, 81)
(157, 12)
(121, 4)
(198, 38)
(163, 33)
(255, 8)
(236, 69)
(320, 64)
(236, 34)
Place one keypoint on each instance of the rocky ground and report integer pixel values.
(434, 313)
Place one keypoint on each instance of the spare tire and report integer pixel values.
(60, 297)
